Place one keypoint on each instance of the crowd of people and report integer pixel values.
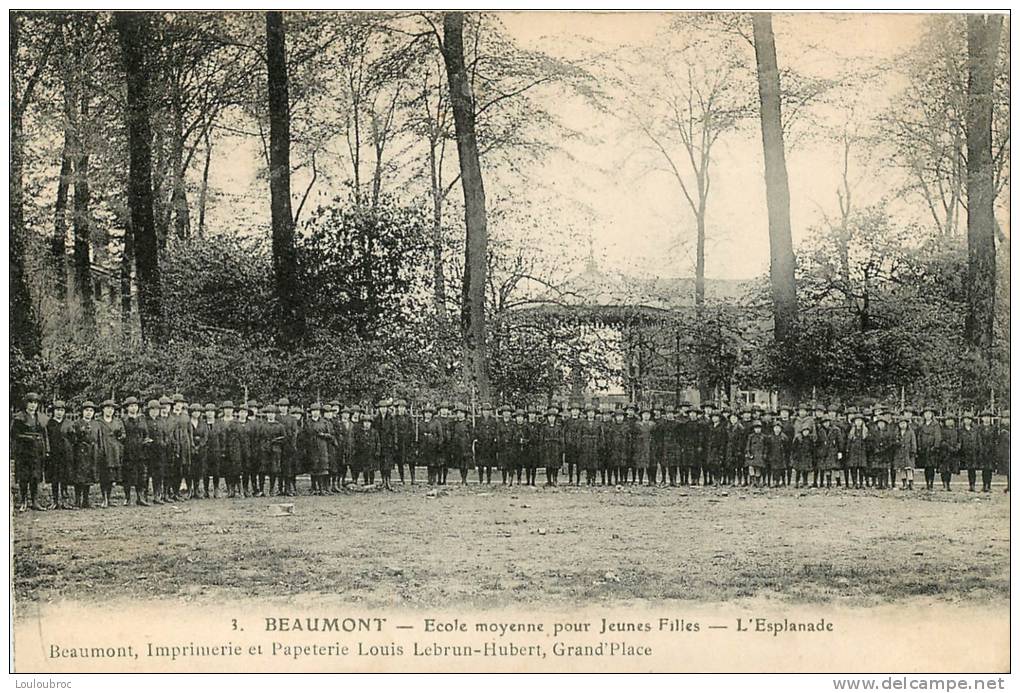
(169, 450)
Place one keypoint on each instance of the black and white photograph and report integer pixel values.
(508, 341)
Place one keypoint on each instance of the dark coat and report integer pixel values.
(949, 455)
(986, 446)
(274, 442)
(905, 449)
(736, 445)
(551, 446)
(365, 451)
(136, 441)
(487, 441)
(589, 445)
(802, 452)
(856, 447)
(880, 448)
(58, 464)
(84, 437)
(29, 445)
(644, 433)
(460, 442)
(715, 440)
(777, 451)
(929, 444)
(318, 437)
(432, 442)
(110, 454)
(617, 443)
(1002, 451)
(756, 449)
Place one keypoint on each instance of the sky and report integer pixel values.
(635, 219)
(638, 215)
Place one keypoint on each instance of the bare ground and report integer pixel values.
(492, 546)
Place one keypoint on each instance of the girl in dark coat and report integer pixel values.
(29, 449)
(756, 453)
(644, 432)
(85, 447)
(318, 434)
(110, 451)
(802, 455)
(231, 436)
(366, 449)
(58, 464)
(969, 449)
(736, 450)
(777, 454)
(589, 446)
(857, 451)
(880, 452)
(274, 441)
(551, 446)
(617, 442)
(715, 438)
(136, 434)
(949, 455)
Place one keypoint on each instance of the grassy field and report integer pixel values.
(483, 546)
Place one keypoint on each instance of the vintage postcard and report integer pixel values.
(505, 341)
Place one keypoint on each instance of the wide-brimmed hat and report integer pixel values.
(130, 400)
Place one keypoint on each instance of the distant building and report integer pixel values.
(648, 324)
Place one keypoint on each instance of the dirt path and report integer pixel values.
(491, 546)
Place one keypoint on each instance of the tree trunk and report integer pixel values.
(292, 324)
(178, 192)
(203, 194)
(126, 264)
(24, 326)
(58, 247)
(132, 29)
(82, 223)
(777, 186)
(438, 272)
(476, 244)
(982, 48)
(704, 391)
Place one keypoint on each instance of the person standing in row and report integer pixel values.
(571, 443)
(880, 451)
(486, 443)
(949, 452)
(802, 455)
(986, 450)
(777, 455)
(929, 444)
(462, 443)
(29, 447)
(905, 452)
(589, 446)
(715, 438)
(110, 451)
(756, 454)
(136, 433)
(504, 444)
(319, 436)
(855, 457)
(551, 446)
(59, 461)
(85, 445)
(404, 428)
